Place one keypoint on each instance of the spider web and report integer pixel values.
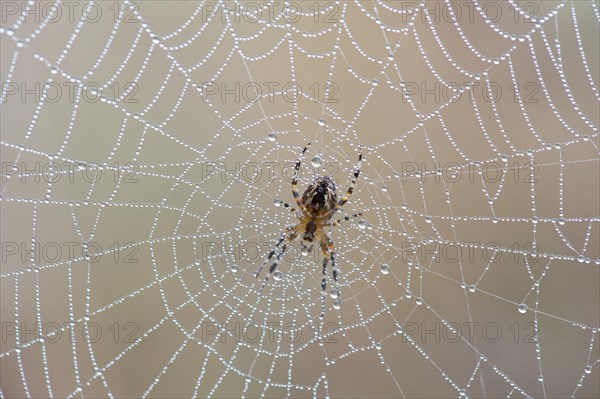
(473, 270)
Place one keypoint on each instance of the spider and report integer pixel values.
(317, 206)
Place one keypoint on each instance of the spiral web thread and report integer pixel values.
(532, 216)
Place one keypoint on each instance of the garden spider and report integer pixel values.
(317, 206)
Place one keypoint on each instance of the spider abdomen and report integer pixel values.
(320, 197)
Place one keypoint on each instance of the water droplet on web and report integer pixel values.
(541, 378)
(377, 346)
(155, 39)
(277, 202)
(272, 137)
(588, 369)
(419, 301)
(316, 162)
(561, 221)
(362, 224)
(234, 268)
(472, 288)
(384, 189)
(428, 219)
(374, 82)
(581, 259)
(277, 275)
(522, 308)
(304, 251)
(334, 293)
(53, 70)
(385, 269)
(321, 122)
(337, 304)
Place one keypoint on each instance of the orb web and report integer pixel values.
(144, 174)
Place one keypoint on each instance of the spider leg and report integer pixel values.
(351, 188)
(295, 192)
(293, 210)
(285, 239)
(324, 281)
(334, 266)
(345, 218)
(328, 250)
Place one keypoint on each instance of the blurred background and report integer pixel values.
(147, 147)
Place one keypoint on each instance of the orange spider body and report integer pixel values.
(317, 206)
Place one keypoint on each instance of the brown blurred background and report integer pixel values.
(173, 185)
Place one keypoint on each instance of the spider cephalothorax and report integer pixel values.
(317, 206)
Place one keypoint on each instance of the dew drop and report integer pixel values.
(321, 122)
(277, 275)
(378, 346)
(53, 70)
(155, 39)
(272, 137)
(472, 288)
(581, 259)
(337, 304)
(384, 189)
(362, 224)
(334, 293)
(234, 268)
(385, 269)
(419, 301)
(541, 378)
(561, 221)
(277, 202)
(428, 219)
(316, 162)
(522, 308)
(304, 251)
(588, 369)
